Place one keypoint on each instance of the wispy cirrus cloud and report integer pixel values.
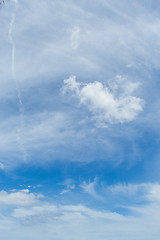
(90, 188)
(95, 41)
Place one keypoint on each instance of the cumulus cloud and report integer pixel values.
(20, 198)
(112, 104)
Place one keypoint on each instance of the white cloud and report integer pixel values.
(79, 222)
(76, 221)
(134, 192)
(64, 191)
(114, 104)
(122, 193)
(154, 192)
(20, 198)
(150, 190)
(128, 189)
(69, 186)
(90, 189)
(104, 47)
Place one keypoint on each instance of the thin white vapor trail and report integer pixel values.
(21, 109)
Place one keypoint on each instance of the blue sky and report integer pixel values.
(79, 120)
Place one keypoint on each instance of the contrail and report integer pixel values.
(21, 109)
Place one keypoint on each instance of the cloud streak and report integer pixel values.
(21, 108)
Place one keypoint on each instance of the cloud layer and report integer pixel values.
(36, 219)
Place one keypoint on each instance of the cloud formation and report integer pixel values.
(96, 41)
(77, 221)
(89, 188)
(18, 198)
(113, 104)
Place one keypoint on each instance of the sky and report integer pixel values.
(79, 120)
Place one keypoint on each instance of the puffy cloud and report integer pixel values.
(20, 198)
(113, 104)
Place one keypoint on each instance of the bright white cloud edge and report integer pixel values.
(113, 104)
